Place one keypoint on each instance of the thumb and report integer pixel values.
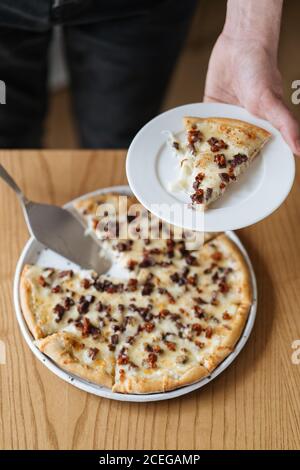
(275, 111)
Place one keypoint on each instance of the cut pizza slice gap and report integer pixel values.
(215, 153)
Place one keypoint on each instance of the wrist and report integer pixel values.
(254, 22)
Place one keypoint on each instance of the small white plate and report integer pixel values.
(151, 166)
(33, 252)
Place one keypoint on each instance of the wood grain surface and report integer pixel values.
(254, 404)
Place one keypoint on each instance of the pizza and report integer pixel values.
(168, 322)
(215, 153)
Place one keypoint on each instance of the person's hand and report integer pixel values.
(245, 73)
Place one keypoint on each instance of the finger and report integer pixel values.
(275, 111)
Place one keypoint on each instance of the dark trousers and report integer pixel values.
(120, 56)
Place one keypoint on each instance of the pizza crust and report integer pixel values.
(164, 383)
(245, 126)
(26, 304)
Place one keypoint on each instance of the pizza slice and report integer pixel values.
(74, 317)
(215, 153)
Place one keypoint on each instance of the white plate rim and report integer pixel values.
(104, 391)
(220, 219)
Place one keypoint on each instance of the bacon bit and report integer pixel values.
(222, 186)
(132, 285)
(226, 316)
(89, 329)
(42, 282)
(163, 290)
(193, 136)
(175, 145)
(147, 262)
(148, 288)
(114, 339)
(148, 326)
(214, 299)
(148, 347)
(170, 345)
(68, 303)
(238, 159)
(208, 332)
(108, 286)
(131, 264)
(199, 344)
(152, 360)
(199, 312)
(94, 223)
(92, 352)
(220, 160)
(130, 340)
(85, 283)
(122, 375)
(164, 313)
(124, 246)
(217, 256)
(85, 327)
(59, 310)
(208, 194)
(197, 328)
(56, 289)
(123, 359)
(231, 173)
(157, 349)
(198, 180)
(224, 177)
(192, 280)
(83, 307)
(216, 144)
(199, 300)
(99, 306)
(197, 197)
(121, 308)
(191, 260)
(67, 273)
(223, 287)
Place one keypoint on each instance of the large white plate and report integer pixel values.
(151, 166)
(33, 252)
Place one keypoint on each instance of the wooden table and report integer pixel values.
(254, 404)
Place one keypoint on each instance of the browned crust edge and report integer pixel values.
(142, 385)
(263, 133)
(25, 300)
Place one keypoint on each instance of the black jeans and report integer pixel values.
(120, 55)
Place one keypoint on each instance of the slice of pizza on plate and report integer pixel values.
(215, 153)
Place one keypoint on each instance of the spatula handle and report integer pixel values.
(11, 182)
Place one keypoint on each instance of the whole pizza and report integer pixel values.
(168, 322)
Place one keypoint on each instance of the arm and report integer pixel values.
(243, 65)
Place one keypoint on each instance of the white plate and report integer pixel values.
(151, 166)
(33, 252)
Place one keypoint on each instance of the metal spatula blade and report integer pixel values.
(59, 230)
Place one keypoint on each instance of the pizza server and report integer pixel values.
(59, 230)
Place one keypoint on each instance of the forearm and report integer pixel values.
(254, 20)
